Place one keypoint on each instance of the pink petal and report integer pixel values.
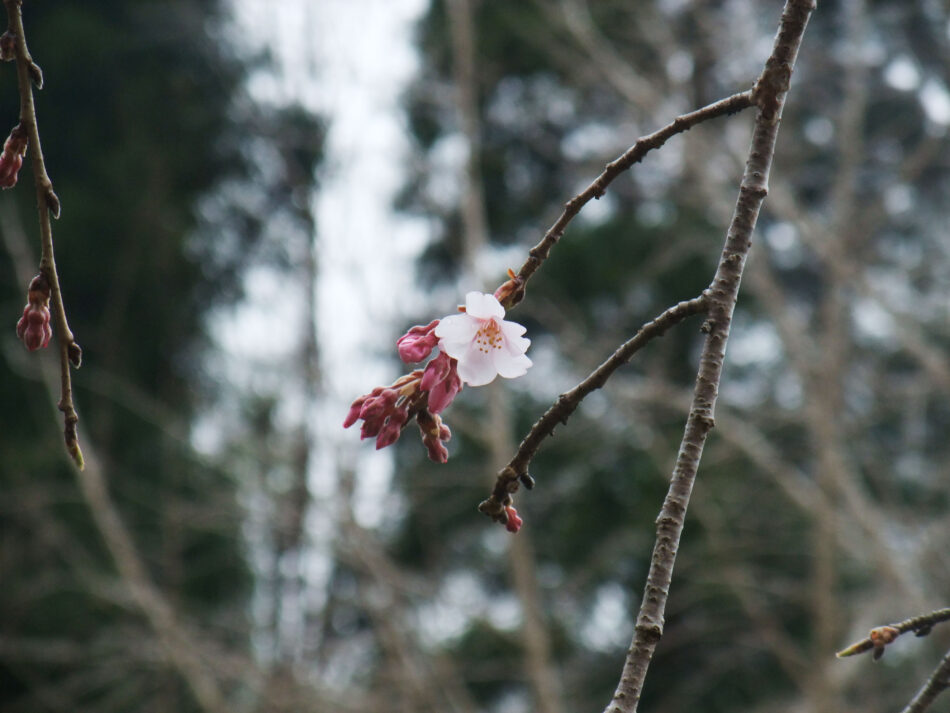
(436, 371)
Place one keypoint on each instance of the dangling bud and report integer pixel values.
(513, 522)
(34, 328)
(11, 160)
(7, 46)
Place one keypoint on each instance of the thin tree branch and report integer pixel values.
(539, 253)
(517, 469)
(769, 95)
(47, 202)
(938, 682)
(881, 636)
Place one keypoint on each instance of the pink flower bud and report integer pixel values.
(437, 452)
(434, 433)
(7, 46)
(514, 522)
(416, 344)
(442, 381)
(391, 431)
(33, 328)
(379, 405)
(511, 292)
(11, 160)
(9, 169)
(354, 413)
(371, 427)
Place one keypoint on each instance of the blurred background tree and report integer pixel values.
(820, 508)
(148, 130)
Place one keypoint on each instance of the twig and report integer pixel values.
(938, 682)
(28, 73)
(539, 253)
(769, 95)
(881, 636)
(517, 469)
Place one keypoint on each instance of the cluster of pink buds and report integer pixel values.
(423, 394)
(11, 160)
(475, 346)
(34, 328)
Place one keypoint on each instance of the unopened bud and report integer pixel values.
(513, 522)
(392, 429)
(33, 328)
(7, 46)
(511, 292)
(416, 344)
(883, 635)
(437, 451)
(11, 160)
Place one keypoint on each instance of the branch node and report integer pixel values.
(52, 202)
(36, 74)
(74, 352)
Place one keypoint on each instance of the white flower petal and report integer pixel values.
(482, 306)
(511, 366)
(512, 330)
(456, 327)
(476, 367)
(515, 345)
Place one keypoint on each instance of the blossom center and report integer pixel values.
(488, 337)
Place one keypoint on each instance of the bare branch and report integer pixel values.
(769, 95)
(517, 469)
(938, 682)
(539, 253)
(28, 74)
(881, 636)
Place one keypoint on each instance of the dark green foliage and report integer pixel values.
(138, 122)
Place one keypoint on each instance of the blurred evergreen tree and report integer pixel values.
(148, 135)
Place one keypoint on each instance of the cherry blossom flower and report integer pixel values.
(484, 344)
(474, 347)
